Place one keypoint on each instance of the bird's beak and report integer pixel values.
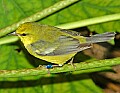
(14, 34)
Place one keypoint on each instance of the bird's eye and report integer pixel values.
(23, 34)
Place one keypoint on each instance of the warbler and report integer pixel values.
(56, 45)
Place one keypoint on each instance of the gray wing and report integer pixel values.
(64, 45)
(73, 33)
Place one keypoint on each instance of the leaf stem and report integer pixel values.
(8, 39)
(83, 67)
(90, 21)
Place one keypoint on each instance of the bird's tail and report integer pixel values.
(100, 37)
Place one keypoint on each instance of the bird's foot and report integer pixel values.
(72, 64)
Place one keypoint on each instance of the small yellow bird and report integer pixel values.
(56, 45)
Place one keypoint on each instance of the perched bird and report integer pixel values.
(56, 45)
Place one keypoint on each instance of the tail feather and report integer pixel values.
(100, 37)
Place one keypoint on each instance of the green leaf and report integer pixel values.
(10, 58)
(70, 84)
(17, 10)
(88, 9)
(12, 11)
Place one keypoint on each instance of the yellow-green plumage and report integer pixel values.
(53, 44)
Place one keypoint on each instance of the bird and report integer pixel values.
(54, 44)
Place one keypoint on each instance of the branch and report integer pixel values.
(83, 67)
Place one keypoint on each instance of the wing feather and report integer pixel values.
(64, 45)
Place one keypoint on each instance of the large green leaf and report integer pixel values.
(12, 11)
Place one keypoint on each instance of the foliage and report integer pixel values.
(14, 56)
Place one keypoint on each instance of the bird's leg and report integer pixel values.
(71, 62)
